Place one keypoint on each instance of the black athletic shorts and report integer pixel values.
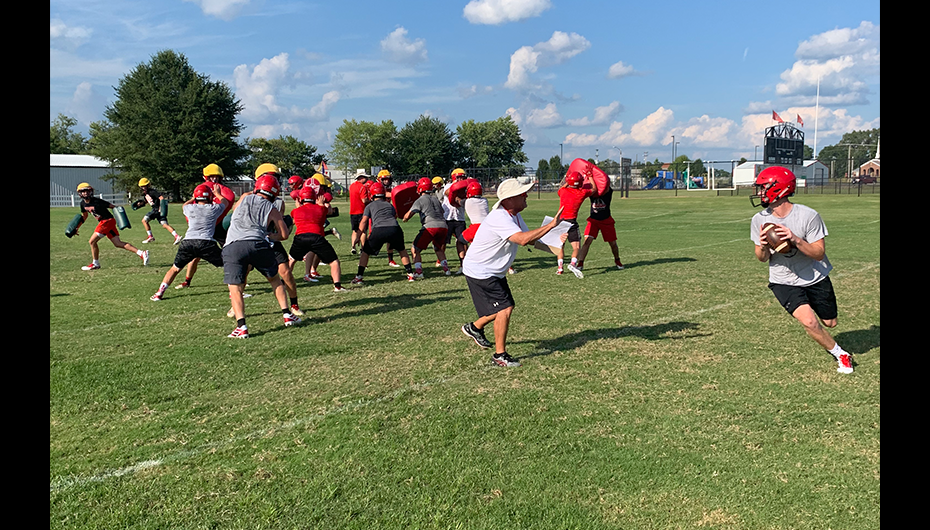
(155, 215)
(574, 234)
(490, 296)
(383, 235)
(455, 228)
(819, 296)
(238, 255)
(191, 249)
(355, 219)
(315, 243)
(280, 253)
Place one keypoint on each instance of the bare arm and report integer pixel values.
(816, 250)
(526, 238)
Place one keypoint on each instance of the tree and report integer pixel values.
(556, 167)
(364, 144)
(63, 140)
(425, 147)
(292, 156)
(861, 146)
(167, 123)
(491, 144)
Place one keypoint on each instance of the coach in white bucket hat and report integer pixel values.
(489, 257)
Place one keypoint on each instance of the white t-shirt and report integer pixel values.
(477, 209)
(794, 268)
(491, 253)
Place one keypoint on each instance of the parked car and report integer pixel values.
(864, 180)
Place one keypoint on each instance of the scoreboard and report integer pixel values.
(784, 145)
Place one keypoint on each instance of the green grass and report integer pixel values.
(674, 394)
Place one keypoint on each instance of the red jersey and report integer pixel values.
(230, 197)
(309, 219)
(571, 199)
(356, 204)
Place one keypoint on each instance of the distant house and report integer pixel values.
(872, 168)
(67, 171)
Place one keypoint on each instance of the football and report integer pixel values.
(778, 244)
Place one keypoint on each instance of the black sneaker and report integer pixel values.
(476, 334)
(504, 359)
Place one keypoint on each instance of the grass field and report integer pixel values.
(675, 393)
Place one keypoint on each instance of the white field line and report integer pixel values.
(64, 483)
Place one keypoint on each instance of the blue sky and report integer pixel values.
(594, 76)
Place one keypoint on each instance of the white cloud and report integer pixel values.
(67, 36)
(602, 116)
(844, 60)
(221, 9)
(397, 48)
(650, 129)
(320, 111)
(705, 131)
(86, 103)
(545, 117)
(619, 70)
(528, 59)
(497, 12)
(831, 125)
(474, 90)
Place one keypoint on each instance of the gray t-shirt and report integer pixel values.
(249, 221)
(201, 219)
(430, 210)
(381, 214)
(794, 268)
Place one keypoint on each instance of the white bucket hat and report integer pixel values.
(361, 173)
(511, 188)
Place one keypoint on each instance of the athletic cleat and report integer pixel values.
(296, 311)
(156, 297)
(504, 359)
(459, 271)
(559, 271)
(576, 271)
(231, 313)
(291, 320)
(357, 280)
(438, 263)
(150, 239)
(308, 278)
(145, 258)
(90, 267)
(339, 289)
(411, 278)
(241, 332)
(178, 238)
(418, 275)
(511, 270)
(354, 252)
(447, 271)
(619, 265)
(845, 363)
(315, 275)
(336, 233)
(476, 334)
(580, 265)
(393, 263)
(182, 285)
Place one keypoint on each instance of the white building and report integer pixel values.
(813, 172)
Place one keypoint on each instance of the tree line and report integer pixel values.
(168, 121)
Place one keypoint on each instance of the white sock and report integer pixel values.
(560, 263)
(837, 351)
(97, 262)
(149, 232)
(574, 261)
(139, 252)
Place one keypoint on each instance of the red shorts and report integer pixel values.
(436, 236)
(469, 233)
(107, 227)
(606, 226)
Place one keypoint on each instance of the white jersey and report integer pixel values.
(477, 209)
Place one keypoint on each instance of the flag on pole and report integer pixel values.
(800, 120)
(776, 117)
(323, 167)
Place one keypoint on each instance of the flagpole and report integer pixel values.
(816, 114)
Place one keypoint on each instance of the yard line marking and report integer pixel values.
(64, 483)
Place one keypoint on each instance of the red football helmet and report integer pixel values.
(424, 185)
(267, 185)
(574, 179)
(306, 194)
(295, 182)
(772, 184)
(473, 190)
(203, 193)
(376, 189)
